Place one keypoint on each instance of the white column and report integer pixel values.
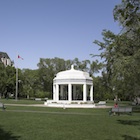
(84, 92)
(57, 92)
(54, 92)
(69, 92)
(91, 93)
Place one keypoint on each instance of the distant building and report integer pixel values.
(5, 59)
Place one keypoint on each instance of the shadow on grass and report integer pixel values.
(136, 109)
(130, 122)
(126, 137)
(5, 135)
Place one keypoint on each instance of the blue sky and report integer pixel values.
(66, 29)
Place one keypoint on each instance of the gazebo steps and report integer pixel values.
(65, 105)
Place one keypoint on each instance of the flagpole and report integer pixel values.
(16, 78)
(16, 82)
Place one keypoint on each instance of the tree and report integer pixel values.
(7, 82)
(95, 67)
(121, 52)
(30, 83)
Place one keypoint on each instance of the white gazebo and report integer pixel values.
(72, 86)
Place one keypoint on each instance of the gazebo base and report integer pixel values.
(67, 104)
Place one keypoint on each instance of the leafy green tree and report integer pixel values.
(121, 52)
(10, 79)
(95, 67)
(30, 82)
(2, 79)
(7, 82)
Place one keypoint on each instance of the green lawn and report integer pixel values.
(13, 101)
(43, 123)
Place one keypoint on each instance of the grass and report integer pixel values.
(25, 101)
(43, 123)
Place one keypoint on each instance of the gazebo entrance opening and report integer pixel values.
(77, 92)
(63, 92)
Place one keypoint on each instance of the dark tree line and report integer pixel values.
(39, 82)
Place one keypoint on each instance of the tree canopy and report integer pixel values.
(121, 52)
(39, 82)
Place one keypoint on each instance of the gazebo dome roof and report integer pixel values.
(72, 74)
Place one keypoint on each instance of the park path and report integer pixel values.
(42, 105)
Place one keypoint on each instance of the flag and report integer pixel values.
(20, 57)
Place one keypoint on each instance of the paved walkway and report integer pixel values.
(62, 105)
